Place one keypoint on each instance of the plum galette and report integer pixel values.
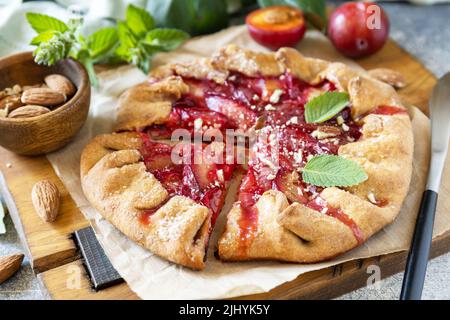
(328, 158)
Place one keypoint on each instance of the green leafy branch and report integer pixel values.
(134, 40)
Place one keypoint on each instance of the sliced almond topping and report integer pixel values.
(345, 127)
(371, 197)
(220, 175)
(275, 97)
(270, 107)
(322, 133)
(198, 123)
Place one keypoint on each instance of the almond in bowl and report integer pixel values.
(41, 108)
(35, 100)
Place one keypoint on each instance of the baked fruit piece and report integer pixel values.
(167, 207)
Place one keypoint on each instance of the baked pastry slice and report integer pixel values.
(170, 206)
(165, 206)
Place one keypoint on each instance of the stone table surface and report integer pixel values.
(421, 30)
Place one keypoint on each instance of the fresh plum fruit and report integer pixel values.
(358, 29)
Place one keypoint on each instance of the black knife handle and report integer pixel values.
(416, 265)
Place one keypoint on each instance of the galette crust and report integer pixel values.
(304, 235)
(285, 232)
(148, 103)
(115, 181)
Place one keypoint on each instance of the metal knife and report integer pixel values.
(416, 264)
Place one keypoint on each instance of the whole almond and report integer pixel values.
(28, 111)
(9, 265)
(43, 97)
(46, 198)
(60, 84)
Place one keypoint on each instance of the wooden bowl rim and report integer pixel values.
(85, 84)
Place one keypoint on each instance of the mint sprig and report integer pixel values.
(332, 171)
(134, 40)
(325, 106)
(57, 40)
(140, 40)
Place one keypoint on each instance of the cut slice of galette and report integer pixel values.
(154, 192)
(329, 158)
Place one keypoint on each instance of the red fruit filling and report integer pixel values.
(388, 110)
(204, 183)
(282, 147)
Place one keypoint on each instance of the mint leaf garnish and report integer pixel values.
(165, 39)
(139, 21)
(332, 171)
(127, 38)
(102, 41)
(325, 106)
(42, 22)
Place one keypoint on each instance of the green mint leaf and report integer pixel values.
(102, 41)
(126, 37)
(332, 171)
(122, 53)
(325, 106)
(139, 21)
(43, 37)
(42, 22)
(164, 39)
(2, 216)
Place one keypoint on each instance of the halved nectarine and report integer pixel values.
(277, 26)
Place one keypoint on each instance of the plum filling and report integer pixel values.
(281, 150)
(204, 183)
(282, 147)
(235, 104)
(388, 110)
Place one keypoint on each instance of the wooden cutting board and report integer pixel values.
(55, 259)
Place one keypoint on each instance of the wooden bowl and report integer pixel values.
(50, 131)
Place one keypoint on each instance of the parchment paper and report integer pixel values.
(154, 278)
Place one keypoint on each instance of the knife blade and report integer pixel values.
(417, 261)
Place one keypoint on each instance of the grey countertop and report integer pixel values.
(423, 31)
